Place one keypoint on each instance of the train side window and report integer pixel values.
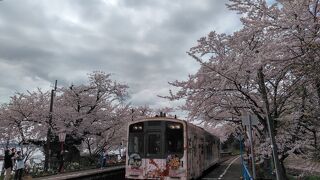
(195, 141)
(209, 149)
(202, 148)
(212, 151)
(154, 144)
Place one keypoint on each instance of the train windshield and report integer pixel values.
(174, 138)
(156, 139)
(154, 144)
(136, 138)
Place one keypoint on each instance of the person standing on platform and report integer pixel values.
(104, 164)
(8, 165)
(101, 160)
(20, 166)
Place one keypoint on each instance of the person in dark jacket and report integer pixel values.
(8, 165)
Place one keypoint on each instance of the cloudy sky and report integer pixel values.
(142, 43)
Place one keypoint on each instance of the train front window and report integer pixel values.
(136, 139)
(136, 143)
(174, 138)
(154, 144)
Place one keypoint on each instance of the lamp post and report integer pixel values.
(62, 137)
(49, 131)
(120, 150)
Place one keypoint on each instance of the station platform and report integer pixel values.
(83, 174)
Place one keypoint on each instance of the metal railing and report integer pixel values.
(245, 172)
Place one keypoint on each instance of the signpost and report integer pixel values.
(250, 120)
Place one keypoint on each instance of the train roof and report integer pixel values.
(157, 119)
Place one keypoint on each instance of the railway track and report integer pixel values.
(229, 168)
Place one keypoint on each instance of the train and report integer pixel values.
(169, 148)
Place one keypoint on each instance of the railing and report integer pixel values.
(245, 172)
(83, 163)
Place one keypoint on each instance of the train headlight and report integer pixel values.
(137, 127)
(174, 126)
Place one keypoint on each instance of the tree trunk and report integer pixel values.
(317, 83)
(283, 169)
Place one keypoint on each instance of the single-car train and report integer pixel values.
(169, 148)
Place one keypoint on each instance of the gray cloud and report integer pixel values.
(142, 43)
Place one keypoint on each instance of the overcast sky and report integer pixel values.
(142, 43)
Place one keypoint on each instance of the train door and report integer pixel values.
(154, 147)
(155, 166)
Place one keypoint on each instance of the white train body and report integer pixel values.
(167, 148)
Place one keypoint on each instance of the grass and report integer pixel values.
(2, 177)
(290, 177)
(235, 152)
(313, 178)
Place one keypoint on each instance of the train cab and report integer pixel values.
(158, 148)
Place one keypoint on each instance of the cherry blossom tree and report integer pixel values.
(24, 115)
(295, 28)
(261, 69)
(138, 112)
(93, 113)
(22, 120)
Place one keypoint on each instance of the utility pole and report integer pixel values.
(270, 125)
(49, 132)
(274, 148)
(251, 148)
(132, 111)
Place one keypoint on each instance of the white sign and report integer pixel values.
(246, 120)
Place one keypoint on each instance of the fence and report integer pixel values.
(245, 172)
